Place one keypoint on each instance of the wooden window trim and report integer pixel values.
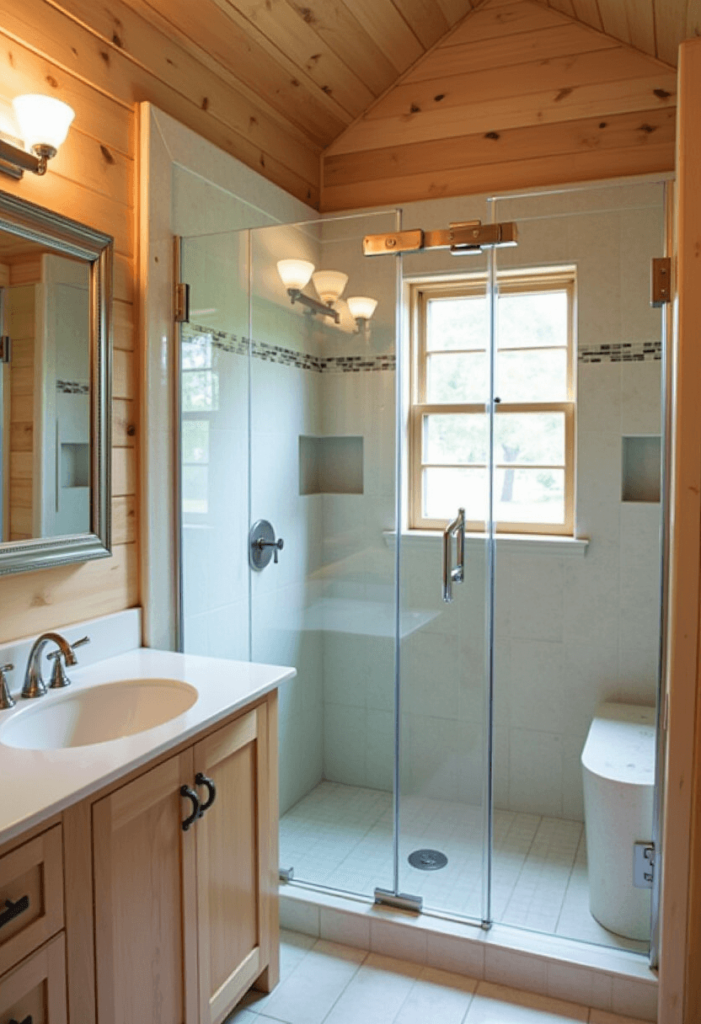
(510, 282)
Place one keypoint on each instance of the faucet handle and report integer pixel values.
(6, 698)
(59, 679)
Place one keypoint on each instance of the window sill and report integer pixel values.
(507, 543)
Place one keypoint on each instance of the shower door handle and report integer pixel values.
(453, 573)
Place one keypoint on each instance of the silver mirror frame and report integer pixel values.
(19, 217)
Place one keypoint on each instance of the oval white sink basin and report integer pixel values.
(108, 711)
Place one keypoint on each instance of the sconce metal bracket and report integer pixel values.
(318, 308)
(461, 237)
(15, 161)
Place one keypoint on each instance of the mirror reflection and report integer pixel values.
(45, 416)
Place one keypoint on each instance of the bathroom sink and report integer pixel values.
(100, 713)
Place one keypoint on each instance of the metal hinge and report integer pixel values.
(286, 874)
(5, 348)
(643, 865)
(182, 303)
(661, 288)
(400, 901)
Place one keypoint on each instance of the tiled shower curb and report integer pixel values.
(613, 980)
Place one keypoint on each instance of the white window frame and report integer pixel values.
(562, 279)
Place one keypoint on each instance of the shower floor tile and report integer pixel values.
(341, 837)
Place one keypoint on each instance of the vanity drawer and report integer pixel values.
(37, 988)
(31, 897)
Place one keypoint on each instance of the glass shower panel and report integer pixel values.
(577, 625)
(443, 719)
(214, 447)
(322, 439)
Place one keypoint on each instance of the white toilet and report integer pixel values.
(618, 764)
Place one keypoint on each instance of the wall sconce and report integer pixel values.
(361, 309)
(329, 285)
(44, 123)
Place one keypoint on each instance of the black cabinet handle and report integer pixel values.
(202, 780)
(191, 795)
(27, 1020)
(13, 910)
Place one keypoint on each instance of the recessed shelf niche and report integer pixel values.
(330, 465)
(641, 468)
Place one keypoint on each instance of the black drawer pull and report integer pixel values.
(27, 1020)
(202, 780)
(185, 791)
(11, 911)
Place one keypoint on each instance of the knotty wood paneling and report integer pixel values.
(91, 180)
(518, 96)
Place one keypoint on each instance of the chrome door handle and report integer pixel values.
(453, 573)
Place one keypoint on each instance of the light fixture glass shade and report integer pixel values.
(362, 307)
(329, 284)
(43, 120)
(295, 273)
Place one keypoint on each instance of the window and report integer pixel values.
(534, 422)
(200, 399)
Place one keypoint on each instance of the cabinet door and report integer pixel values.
(37, 988)
(232, 840)
(145, 900)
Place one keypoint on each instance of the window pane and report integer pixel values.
(529, 496)
(195, 482)
(446, 490)
(532, 318)
(535, 437)
(195, 441)
(457, 323)
(532, 376)
(457, 378)
(452, 438)
(200, 391)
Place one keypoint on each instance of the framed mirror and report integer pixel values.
(55, 389)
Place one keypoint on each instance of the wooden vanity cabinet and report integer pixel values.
(186, 920)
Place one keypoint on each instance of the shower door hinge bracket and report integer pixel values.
(286, 874)
(643, 865)
(661, 287)
(461, 237)
(182, 303)
(399, 900)
(5, 348)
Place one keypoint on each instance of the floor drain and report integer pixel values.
(428, 860)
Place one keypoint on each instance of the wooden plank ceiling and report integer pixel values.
(276, 82)
(518, 95)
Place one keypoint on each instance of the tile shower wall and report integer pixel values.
(284, 403)
(571, 631)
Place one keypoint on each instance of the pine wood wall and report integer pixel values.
(519, 95)
(91, 180)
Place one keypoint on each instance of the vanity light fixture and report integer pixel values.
(44, 122)
(361, 309)
(296, 274)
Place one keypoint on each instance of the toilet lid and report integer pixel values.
(621, 744)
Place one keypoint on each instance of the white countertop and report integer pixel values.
(39, 783)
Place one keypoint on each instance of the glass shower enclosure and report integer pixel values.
(430, 748)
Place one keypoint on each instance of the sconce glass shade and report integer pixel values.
(43, 121)
(295, 273)
(329, 284)
(361, 307)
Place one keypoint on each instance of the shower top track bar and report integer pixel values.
(463, 237)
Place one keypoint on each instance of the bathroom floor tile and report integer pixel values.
(334, 984)
(341, 836)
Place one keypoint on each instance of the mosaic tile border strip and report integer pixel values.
(226, 342)
(72, 387)
(622, 352)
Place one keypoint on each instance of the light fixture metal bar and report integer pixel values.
(14, 161)
(467, 236)
(296, 295)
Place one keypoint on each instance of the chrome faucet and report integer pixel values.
(34, 685)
